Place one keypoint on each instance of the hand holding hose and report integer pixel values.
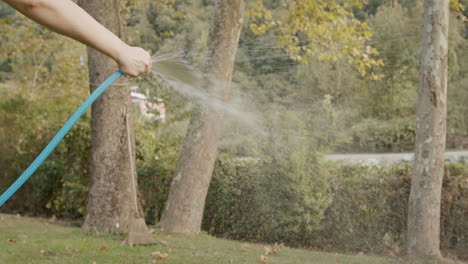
(134, 61)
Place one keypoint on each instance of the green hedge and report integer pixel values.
(367, 211)
(60, 185)
(264, 201)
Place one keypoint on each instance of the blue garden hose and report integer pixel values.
(58, 137)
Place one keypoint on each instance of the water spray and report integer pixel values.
(58, 137)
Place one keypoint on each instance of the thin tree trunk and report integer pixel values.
(186, 201)
(110, 207)
(426, 185)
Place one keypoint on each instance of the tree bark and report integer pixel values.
(426, 185)
(186, 201)
(110, 206)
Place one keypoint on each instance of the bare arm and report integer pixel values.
(67, 18)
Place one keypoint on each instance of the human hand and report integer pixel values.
(134, 61)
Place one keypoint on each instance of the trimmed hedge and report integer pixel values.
(367, 212)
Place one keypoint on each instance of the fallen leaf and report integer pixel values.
(277, 248)
(159, 256)
(244, 248)
(263, 259)
(46, 253)
(73, 250)
(163, 243)
(268, 250)
(104, 248)
(12, 240)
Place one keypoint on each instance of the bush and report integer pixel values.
(60, 185)
(371, 135)
(367, 211)
(280, 197)
(230, 207)
(155, 174)
(245, 203)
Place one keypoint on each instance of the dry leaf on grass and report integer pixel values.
(278, 247)
(267, 250)
(244, 248)
(104, 248)
(163, 243)
(46, 253)
(159, 256)
(73, 250)
(263, 259)
(273, 249)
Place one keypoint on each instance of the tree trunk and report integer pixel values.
(426, 185)
(110, 207)
(186, 201)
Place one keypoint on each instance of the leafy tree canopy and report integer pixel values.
(327, 30)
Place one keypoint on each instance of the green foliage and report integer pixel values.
(157, 154)
(369, 209)
(365, 208)
(155, 174)
(377, 136)
(63, 181)
(292, 186)
(165, 18)
(44, 83)
(280, 197)
(230, 208)
(386, 108)
(59, 186)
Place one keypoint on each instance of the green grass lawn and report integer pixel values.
(31, 240)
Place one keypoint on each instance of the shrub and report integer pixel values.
(280, 197)
(366, 210)
(371, 135)
(155, 167)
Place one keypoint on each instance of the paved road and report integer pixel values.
(389, 159)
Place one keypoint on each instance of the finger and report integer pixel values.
(147, 68)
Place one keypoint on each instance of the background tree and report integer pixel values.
(186, 201)
(110, 205)
(426, 184)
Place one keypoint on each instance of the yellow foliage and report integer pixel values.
(325, 29)
(458, 8)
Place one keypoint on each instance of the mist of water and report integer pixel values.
(195, 85)
(190, 81)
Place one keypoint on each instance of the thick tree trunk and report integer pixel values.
(426, 185)
(186, 202)
(110, 207)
